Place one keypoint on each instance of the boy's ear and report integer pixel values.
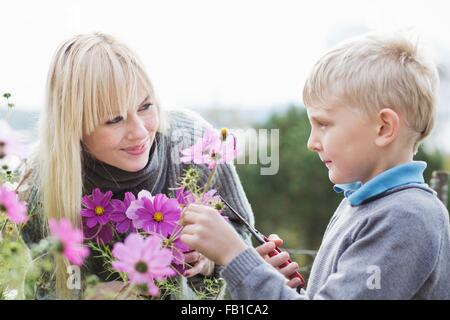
(387, 126)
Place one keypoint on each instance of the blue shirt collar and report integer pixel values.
(400, 175)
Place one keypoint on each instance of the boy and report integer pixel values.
(370, 102)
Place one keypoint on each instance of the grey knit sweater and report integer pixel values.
(160, 175)
(394, 247)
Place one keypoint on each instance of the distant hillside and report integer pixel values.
(237, 118)
(231, 118)
(22, 120)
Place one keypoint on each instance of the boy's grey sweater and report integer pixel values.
(394, 247)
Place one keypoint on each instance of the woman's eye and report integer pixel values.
(115, 120)
(145, 107)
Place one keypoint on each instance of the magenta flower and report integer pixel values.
(143, 260)
(70, 239)
(15, 210)
(11, 142)
(102, 234)
(179, 248)
(184, 198)
(98, 208)
(157, 214)
(174, 243)
(214, 148)
(209, 196)
(118, 215)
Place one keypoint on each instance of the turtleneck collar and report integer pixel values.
(97, 174)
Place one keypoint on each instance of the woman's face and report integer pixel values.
(125, 142)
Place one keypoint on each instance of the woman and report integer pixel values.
(102, 127)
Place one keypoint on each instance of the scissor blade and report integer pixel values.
(252, 230)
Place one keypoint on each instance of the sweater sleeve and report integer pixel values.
(249, 277)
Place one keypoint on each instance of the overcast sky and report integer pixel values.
(233, 53)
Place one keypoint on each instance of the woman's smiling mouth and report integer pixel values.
(137, 149)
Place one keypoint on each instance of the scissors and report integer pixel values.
(261, 238)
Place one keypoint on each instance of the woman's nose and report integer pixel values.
(136, 128)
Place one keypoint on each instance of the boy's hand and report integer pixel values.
(207, 232)
(279, 259)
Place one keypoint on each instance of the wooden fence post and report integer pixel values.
(439, 183)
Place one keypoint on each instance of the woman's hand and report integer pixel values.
(200, 264)
(279, 259)
(207, 232)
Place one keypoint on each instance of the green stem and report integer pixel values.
(209, 181)
(4, 225)
(40, 256)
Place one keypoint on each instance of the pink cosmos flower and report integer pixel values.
(178, 248)
(11, 141)
(98, 208)
(212, 199)
(102, 234)
(184, 198)
(209, 196)
(71, 240)
(174, 243)
(144, 261)
(118, 215)
(15, 210)
(214, 148)
(157, 214)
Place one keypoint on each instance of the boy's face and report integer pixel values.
(345, 142)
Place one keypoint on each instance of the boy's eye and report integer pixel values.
(115, 120)
(321, 123)
(145, 107)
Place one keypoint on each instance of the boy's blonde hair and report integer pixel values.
(373, 72)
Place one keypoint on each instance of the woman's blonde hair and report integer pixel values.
(92, 78)
(378, 71)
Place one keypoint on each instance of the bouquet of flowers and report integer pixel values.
(152, 252)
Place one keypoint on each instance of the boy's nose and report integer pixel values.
(313, 144)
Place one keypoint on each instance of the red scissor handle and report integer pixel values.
(296, 274)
